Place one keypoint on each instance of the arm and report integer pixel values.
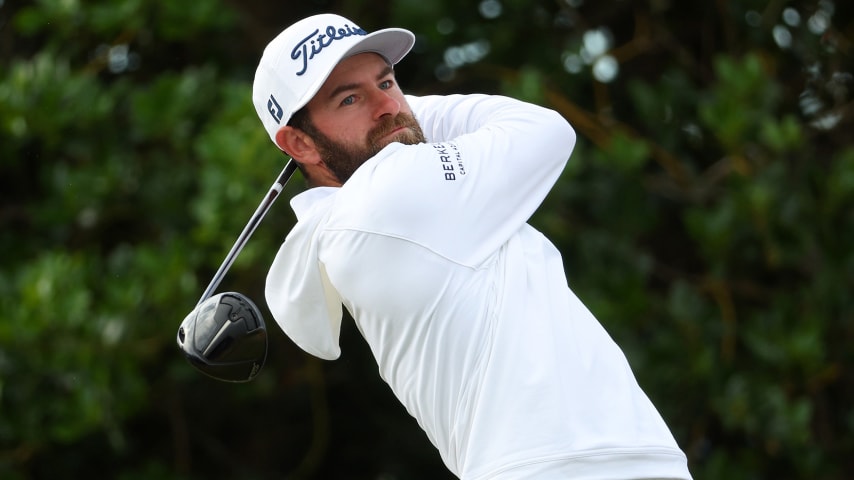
(492, 162)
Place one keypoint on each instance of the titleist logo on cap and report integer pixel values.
(319, 41)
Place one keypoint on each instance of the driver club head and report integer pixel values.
(225, 338)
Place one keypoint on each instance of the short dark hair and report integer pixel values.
(300, 119)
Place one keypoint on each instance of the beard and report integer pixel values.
(344, 158)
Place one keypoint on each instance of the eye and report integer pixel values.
(348, 100)
(386, 84)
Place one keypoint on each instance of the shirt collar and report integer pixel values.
(304, 202)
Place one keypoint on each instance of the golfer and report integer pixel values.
(416, 223)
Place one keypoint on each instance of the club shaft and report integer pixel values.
(250, 227)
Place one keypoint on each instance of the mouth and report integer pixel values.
(391, 133)
(401, 129)
(395, 131)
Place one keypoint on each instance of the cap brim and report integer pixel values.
(391, 43)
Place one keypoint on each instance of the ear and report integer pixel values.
(298, 145)
(302, 148)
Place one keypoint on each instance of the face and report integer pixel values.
(359, 111)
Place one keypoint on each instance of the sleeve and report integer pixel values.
(490, 163)
(302, 300)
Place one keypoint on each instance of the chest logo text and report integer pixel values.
(451, 160)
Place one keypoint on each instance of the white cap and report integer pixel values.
(297, 62)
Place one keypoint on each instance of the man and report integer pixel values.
(418, 228)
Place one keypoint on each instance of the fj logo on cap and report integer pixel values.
(275, 109)
(319, 41)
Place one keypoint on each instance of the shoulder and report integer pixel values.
(400, 192)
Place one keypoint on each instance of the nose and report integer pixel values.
(385, 104)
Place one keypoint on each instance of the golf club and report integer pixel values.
(225, 336)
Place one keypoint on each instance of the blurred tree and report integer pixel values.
(706, 218)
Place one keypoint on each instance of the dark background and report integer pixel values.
(706, 218)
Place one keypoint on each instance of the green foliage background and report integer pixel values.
(707, 218)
